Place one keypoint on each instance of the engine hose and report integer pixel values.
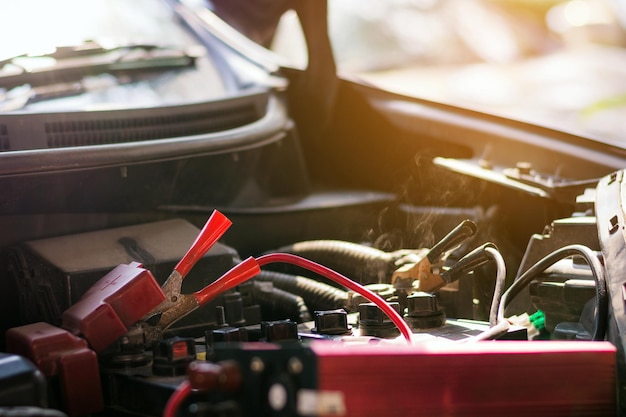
(317, 295)
(277, 304)
(360, 263)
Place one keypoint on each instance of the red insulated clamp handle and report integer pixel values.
(239, 274)
(210, 233)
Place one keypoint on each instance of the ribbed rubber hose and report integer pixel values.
(360, 263)
(280, 304)
(317, 295)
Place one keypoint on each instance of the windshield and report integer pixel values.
(561, 64)
(36, 27)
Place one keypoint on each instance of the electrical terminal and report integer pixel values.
(534, 323)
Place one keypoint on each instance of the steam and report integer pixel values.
(432, 201)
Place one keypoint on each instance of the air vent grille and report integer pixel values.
(72, 133)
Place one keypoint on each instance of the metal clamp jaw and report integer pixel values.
(422, 271)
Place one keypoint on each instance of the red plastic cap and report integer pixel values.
(38, 342)
(58, 353)
(117, 301)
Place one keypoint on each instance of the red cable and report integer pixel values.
(178, 397)
(250, 267)
(341, 280)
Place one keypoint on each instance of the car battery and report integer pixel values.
(52, 274)
(503, 378)
(365, 378)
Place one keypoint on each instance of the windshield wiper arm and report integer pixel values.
(19, 97)
(74, 63)
(74, 51)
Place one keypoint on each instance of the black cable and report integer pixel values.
(597, 270)
(478, 257)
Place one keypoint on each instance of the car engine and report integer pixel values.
(320, 327)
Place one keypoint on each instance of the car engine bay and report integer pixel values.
(302, 251)
(322, 326)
